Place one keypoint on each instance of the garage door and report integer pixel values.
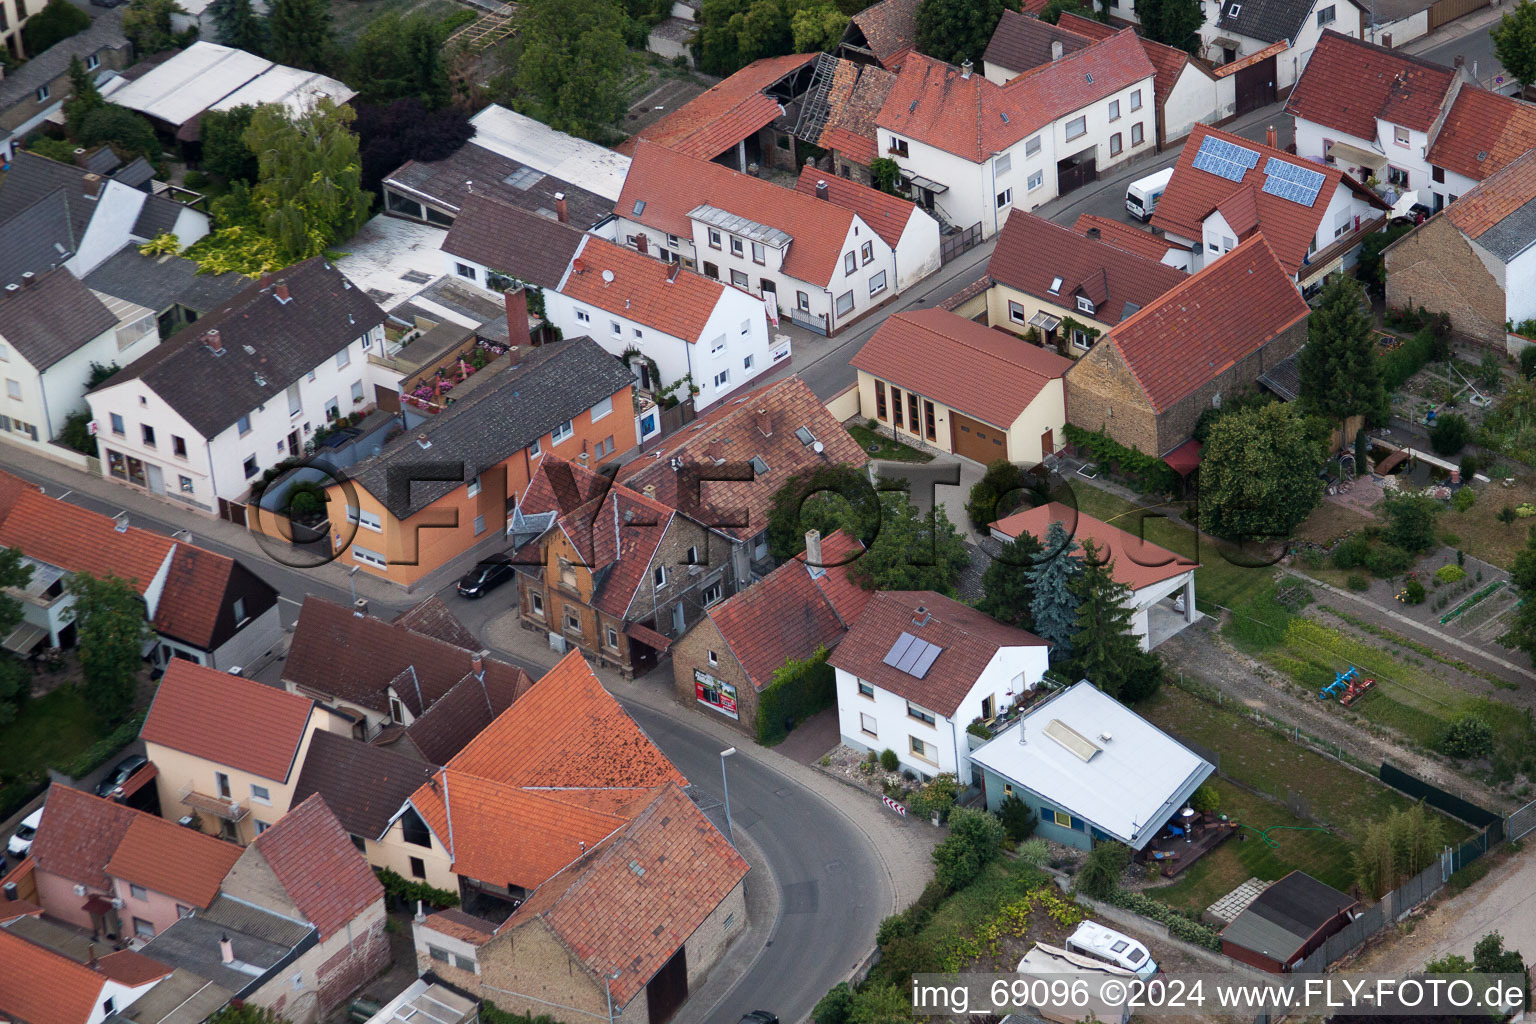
(974, 439)
(1255, 86)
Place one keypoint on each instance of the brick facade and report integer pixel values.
(709, 940)
(1434, 266)
(692, 653)
(354, 964)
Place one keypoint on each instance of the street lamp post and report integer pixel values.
(352, 582)
(730, 830)
(608, 991)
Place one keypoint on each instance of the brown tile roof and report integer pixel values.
(433, 618)
(888, 215)
(671, 185)
(968, 639)
(180, 862)
(981, 372)
(198, 710)
(355, 658)
(659, 295)
(39, 986)
(1483, 132)
(131, 968)
(79, 540)
(1216, 317)
(11, 490)
(890, 29)
(1495, 198)
(363, 785)
(318, 866)
(785, 615)
(762, 424)
(461, 926)
(1020, 42)
(1032, 252)
(837, 583)
(632, 902)
(854, 99)
(1136, 563)
(729, 111)
(1348, 83)
(560, 486)
(78, 835)
(514, 241)
(1193, 195)
(459, 715)
(194, 596)
(52, 318)
(1123, 236)
(1091, 27)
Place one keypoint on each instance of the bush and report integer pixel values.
(408, 892)
(1102, 870)
(129, 133)
(1386, 561)
(1351, 552)
(97, 753)
(999, 491)
(195, 180)
(1410, 522)
(799, 688)
(834, 1007)
(1528, 361)
(1468, 736)
(1463, 499)
(57, 21)
(888, 760)
(1407, 359)
(1450, 574)
(61, 150)
(1018, 820)
(1205, 799)
(935, 798)
(1034, 852)
(1358, 582)
(1413, 593)
(975, 838)
(1507, 513)
(1469, 467)
(1450, 434)
(1179, 926)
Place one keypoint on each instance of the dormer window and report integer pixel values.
(1232, 11)
(1055, 288)
(1085, 304)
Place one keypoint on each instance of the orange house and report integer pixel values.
(449, 487)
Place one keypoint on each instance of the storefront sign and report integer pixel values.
(715, 693)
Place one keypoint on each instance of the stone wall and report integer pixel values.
(692, 652)
(1434, 267)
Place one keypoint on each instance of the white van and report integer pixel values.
(1093, 939)
(1142, 195)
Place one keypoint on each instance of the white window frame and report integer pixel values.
(1077, 127)
(561, 433)
(1032, 145)
(877, 283)
(1005, 198)
(370, 520)
(601, 409)
(1114, 110)
(1035, 180)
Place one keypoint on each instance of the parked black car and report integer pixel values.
(760, 1017)
(487, 575)
(122, 773)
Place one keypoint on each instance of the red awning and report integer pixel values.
(1184, 459)
(648, 636)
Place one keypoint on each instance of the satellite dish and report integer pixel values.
(818, 447)
(607, 277)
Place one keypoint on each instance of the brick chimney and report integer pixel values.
(1271, 138)
(517, 316)
(280, 289)
(673, 272)
(920, 616)
(28, 279)
(578, 265)
(813, 552)
(821, 189)
(213, 341)
(92, 184)
(477, 663)
(562, 212)
(764, 423)
(965, 69)
(265, 281)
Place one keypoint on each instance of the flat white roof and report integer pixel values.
(582, 163)
(378, 258)
(292, 87)
(190, 82)
(1130, 784)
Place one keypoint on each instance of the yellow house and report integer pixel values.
(940, 381)
(227, 750)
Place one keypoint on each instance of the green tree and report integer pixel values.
(77, 434)
(1450, 434)
(1051, 13)
(835, 1006)
(913, 551)
(128, 132)
(1514, 42)
(1395, 848)
(84, 97)
(1410, 522)
(299, 32)
(1001, 490)
(1369, 266)
(824, 499)
(1103, 869)
(1018, 820)
(881, 1004)
(1522, 573)
(574, 65)
(1490, 957)
(1053, 606)
(1340, 375)
(1258, 473)
(101, 372)
(58, 20)
(975, 838)
(817, 25)
(15, 680)
(225, 152)
(147, 24)
(1104, 650)
(398, 57)
(1172, 22)
(714, 46)
(1005, 588)
(239, 25)
(112, 631)
(885, 175)
(958, 30)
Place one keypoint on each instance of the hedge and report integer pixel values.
(398, 886)
(1152, 474)
(800, 688)
(1179, 925)
(97, 753)
(1407, 359)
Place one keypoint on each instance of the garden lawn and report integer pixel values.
(1219, 582)
(894, 451)
(1297, 845)
(1478, 531)
(52, 729)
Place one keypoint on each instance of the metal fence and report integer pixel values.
(1440, 799)
(1519, 824)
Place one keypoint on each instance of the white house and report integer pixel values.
(199, 417)
(1161, 582)
(1243, 28)
(1429, 142)
(910, 232)
(972, 150)
(685, 326)
(819, 263)
(493, 243)
(916, 668)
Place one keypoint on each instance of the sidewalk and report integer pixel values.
(1466, 25)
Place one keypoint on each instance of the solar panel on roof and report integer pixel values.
(909, 659)
(1224, 159)
(1289, 181)
(899, 648)
(926, 661)
(912, 656)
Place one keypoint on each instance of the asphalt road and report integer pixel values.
(833, 888)
(1476, 48)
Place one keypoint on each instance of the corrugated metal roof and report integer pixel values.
(738, 225)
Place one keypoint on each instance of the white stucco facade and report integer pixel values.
(1194, 99)
(1346, 212)
(111, 226)
(1336, 15)
(1396, 154)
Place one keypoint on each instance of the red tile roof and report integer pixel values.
(193, 596)
(1483, 132)
(131, 968)
(78, 835)
(1216, 317)
(39, 986)
(761, 423)
(787, 614)
(11, 490)
(661, 296)
(1032, 252)
(319, 868)
(1168, 63)
(1193, 195)
(968, 639)
(1349, 83)
(890, 29)
(984, 373)
(671, 185)
(1090, 27)
(179, 862)
(837, 583)
(227, 720)
(632, 902)
(454, 922)
(723, 115)
(888, 215)
(79, 540)
(854, 98)
(1123, 236)
(1495, 198)
(1136, 563)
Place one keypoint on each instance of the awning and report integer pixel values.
(1045, 321)
(1350, 156)
(24, 639)
(925, 183)
(648, 636)
(1184, 459)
